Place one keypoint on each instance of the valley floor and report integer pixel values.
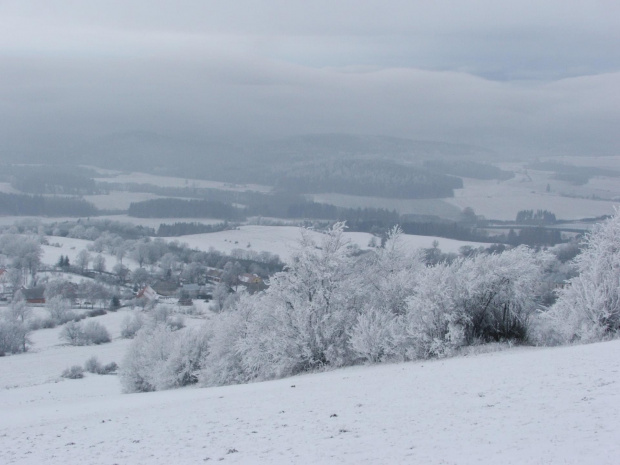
(520, 406)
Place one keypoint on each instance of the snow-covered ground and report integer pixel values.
(502, 200)
(282, 240)
(117, 200)
(520, 406)
(71, 247)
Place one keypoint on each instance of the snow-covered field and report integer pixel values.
(117, 200)
(71, 247)
(282, 240)
(520, 406)
(502, 200)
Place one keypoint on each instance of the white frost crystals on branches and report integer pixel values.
(160, 358)
(333, 307)
(301, 321)
(588, 308)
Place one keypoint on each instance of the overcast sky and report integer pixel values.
(519, 75)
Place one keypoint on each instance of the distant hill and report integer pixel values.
(317, 163)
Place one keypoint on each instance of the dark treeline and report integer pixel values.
(534, 237)
(378, 178)
(277, 205)
(354, 177)
(37, 205)
(179, 208)
(535, 217)
(56, 180)
(450, 230)
(91, 229)
(182, 229)
(468, 169)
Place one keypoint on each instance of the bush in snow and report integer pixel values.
(95, 333)
(588, 308)
(486, 298)
(159, 358)
(15, 327)
(131, 325)
(74, 372)
(301, 321)
(92, 365)
(87, 333)
(371, 337)
(176, 322)
(59, 309)
(13, 336)
(224, 363)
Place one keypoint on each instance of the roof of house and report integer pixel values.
(147, 292)
(34, 293)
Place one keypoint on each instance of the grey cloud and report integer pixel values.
(523, 76)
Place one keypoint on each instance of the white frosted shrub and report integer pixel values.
(588, 308)
(131, 325)
(94, 332)
(159, 358)
(371, 337)
(224, 365)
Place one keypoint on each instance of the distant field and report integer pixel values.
(71, 247)
(612, 162)
(502, 200)
(6, 188)
(117, 200)
(282, 240)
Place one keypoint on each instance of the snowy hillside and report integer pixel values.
(524, 405)
(283, 240)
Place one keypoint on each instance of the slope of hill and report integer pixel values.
(525, 405)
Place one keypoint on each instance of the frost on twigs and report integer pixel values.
(588, 307)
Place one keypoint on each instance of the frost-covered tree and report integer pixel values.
(588, 308)
(82, 259)
(14, 330)
(99, 263)
(390, 276)
(159, 358)
(482, 298)
(303, 318)
(59, 309)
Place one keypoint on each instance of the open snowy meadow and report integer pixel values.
(283, 240)
(518, 406)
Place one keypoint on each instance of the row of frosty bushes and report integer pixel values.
(331, 308)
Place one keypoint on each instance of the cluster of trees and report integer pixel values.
(468, 169)
(37, 205)
(14, 328)
(24, 254)
(332, 307)
(535, 217)
(183, 228)
(534, 236)
(54, 182)
(378, 178)
(92, 228)
(179, 208)
(588, 308)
